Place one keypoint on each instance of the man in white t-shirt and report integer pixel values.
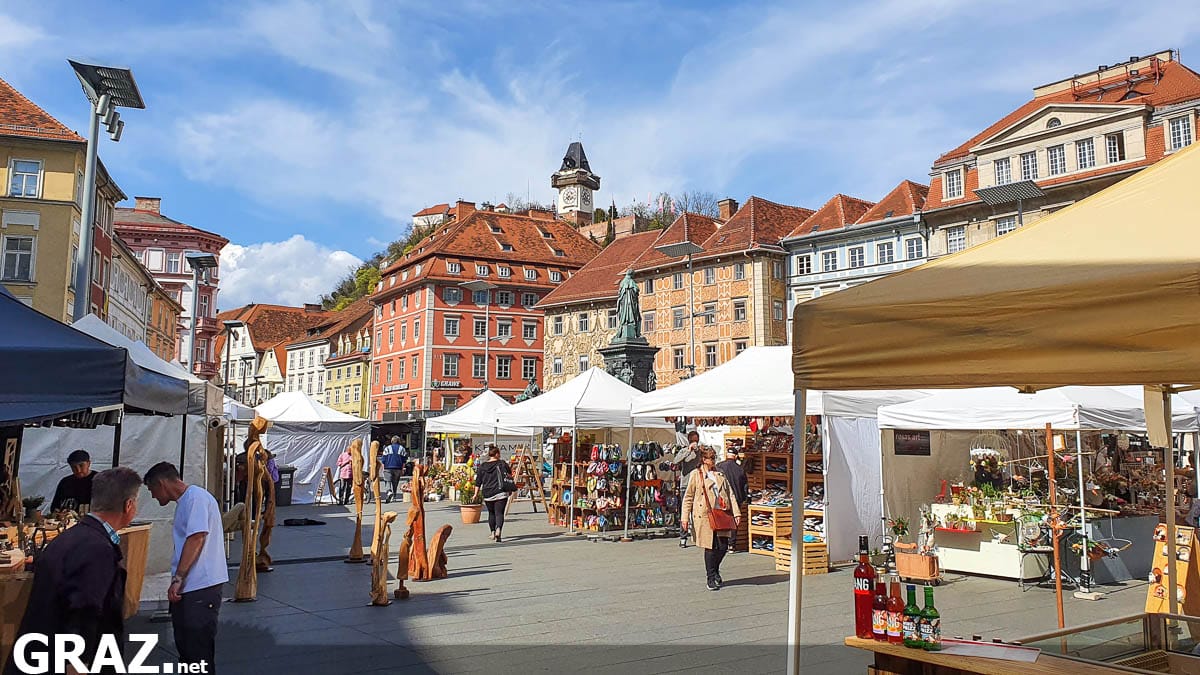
(198, 569)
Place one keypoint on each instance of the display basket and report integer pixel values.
(914, 566)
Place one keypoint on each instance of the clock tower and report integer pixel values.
(575, 183)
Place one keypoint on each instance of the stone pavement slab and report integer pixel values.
(544, 601)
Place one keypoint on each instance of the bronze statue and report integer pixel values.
(629, 312)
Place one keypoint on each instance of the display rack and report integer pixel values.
(767, 525)
(598, 496)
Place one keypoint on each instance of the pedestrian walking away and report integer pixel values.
(345, 470)
(198, 569)
(687, 459)
(731, 468)
(395, 458)
(708, 492)
(79, 587)
(494, 479)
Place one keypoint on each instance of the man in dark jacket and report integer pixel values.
(737, 482)
(79, 584)
(75, 490)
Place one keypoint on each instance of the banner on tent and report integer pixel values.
(914, 443)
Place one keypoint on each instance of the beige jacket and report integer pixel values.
(695, 508)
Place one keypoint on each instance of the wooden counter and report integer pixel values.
(900, 660)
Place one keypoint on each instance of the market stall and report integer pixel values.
(1099, 293)
(593, 479)
(308, 435)
(475, 425)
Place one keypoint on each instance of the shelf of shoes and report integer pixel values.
(653, 499)
(767, 525)
(598, 490)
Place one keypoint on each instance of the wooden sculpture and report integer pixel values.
(379, 556)
(418, 561)
(266, 493)
(356, 472)
(247, 581)
(401, 593)
(437, 553)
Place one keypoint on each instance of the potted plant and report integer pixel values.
(470, 500)
(899, 527)
(31, 505)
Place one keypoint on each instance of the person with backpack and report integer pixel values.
(395, 459)
(494, 479)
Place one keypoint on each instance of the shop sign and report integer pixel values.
(914, 443)
(447, 384)
(395, 387)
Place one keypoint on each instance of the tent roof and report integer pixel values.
(235, 410)
(1103, 292)
(297, 407)
(159, 386)
(51, 370)
(1096, 408)
(478, 416)
(755, 383)
(591, 400)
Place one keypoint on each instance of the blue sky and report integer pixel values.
(308, 132)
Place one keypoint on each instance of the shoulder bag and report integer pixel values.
(718, 519)
(506, 481)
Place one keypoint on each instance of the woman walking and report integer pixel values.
(490, 479)
(708, 498)
(344, 464)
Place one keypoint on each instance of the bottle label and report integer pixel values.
(893, 624)
(879, 621)
(910, 629)
(935, 633)
(863, 585)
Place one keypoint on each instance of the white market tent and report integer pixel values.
(758, 383)
(308, 435)
(235, 411)
(476, 418)
(591, 400)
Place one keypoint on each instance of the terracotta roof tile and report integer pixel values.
(272, 324)
(758, 223)
(344, 318)
(691, 227)
(21, 117)
(127, 219)
(904, 200)
(598, 280)
(435, 210)
(834, 214)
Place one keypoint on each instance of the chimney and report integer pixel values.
(150, 204)
(463, 209)
(726, 208)
(312, 307)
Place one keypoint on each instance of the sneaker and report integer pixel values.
(713, 585)
(683, 543)
(720, 582)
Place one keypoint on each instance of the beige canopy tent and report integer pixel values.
(1104, 292)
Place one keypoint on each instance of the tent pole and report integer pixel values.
(1054, 524)
(1169, 509)
(116, 460)
(182, 442)
(1196, 462)
(571, 457)
(1085, 574)
(795, 579)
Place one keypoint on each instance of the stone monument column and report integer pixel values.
(629, 356)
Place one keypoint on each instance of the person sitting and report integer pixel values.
(75, 490)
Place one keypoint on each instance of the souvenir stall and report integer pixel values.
(1100, 293)
(473, 426)
(591, 487)
(308, 435)
(753, 391)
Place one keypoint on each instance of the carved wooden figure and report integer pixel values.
(379, 556)
(437, 553)
(247, 581)
(418, 561)
(266, 492)
(356, 469)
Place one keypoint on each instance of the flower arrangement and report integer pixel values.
(899, 526)
(462, 477)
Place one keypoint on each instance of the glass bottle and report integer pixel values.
(895, 614)
(879, 615)
(931, 624)
(864, 575)
(912, 618)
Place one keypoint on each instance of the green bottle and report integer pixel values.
(912, 617)
(931, 624)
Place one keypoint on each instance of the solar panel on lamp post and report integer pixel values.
(686, 248)
(107, 88)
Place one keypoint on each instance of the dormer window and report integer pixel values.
(496, 229)
(504, 272)
(481, 270)
(530, 274)
(545, 234)
(555, 276)
(1053, 122)
(558, 253)
(453, 268)
(506, 247)
(417, 272)
(404, 275)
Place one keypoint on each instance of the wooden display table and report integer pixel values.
(900, 660)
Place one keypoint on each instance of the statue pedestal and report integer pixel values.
(631, 361)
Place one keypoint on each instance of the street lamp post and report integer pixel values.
(247, 362)
(687, 248)
(107, 89)
(228, 327)
(257, 379)
(486, 286)
(200, 264)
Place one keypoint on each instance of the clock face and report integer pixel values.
(569, 196)
(585, 198)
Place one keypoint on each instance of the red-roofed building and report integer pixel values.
(439, 341)
(162, 245)
(1075, 137)
(850, 241)
(257, 354)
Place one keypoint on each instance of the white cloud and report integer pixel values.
(290, 272)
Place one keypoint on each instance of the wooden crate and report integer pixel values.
(816, 557)
(781, 520)
(754, 535)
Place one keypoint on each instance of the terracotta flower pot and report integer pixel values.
(470, 513)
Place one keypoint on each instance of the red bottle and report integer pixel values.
(895, 615)
(864, 576)
(879, 612)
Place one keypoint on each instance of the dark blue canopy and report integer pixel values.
(48, 370)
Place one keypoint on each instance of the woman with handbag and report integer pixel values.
(494, 479)
(712, 511)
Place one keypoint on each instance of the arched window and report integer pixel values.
(1053, 122)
